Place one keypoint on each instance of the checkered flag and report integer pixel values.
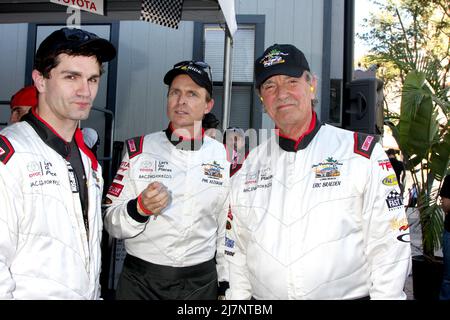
(163, 12)
(394, 200)
(393, 195)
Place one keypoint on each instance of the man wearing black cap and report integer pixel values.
(317, 213)
(169, 200)
(50, 183)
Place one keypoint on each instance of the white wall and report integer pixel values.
(146, 52)
(337, 40)
(13, 38)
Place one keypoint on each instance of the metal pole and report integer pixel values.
(349, 38)
(227, 80)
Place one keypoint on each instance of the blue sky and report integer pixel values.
(362, 10)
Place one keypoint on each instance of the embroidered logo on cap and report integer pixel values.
(273, 57)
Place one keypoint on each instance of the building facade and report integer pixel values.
(132, 97)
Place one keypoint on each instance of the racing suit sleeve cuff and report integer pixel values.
(223, 286)
(133, 213)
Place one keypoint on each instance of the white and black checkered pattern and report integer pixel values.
(394, 200)
(393, 195)
(163, 12)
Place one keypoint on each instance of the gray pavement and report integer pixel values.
(409, 288)
(416, 246)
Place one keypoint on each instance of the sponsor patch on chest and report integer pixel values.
(261, 179)
(42, 173)
(212, 173)
(327, 173)
(154, 169)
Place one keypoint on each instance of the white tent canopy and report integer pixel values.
(41, 11)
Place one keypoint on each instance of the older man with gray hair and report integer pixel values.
(316, 212)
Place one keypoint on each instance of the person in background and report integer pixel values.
(169, 200)
(313, 206)
(398, 166)
(210, 124)
(234, 141)
(50, 183)
(412, 196)
(91, 139)
(22, 101)
(445, 204)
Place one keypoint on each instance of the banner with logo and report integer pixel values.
(93, 6)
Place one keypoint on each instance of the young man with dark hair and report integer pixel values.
(50, 183)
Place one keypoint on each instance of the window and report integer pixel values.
(243, 52)
(209, 47)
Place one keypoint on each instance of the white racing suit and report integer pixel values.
(192, 226)
(44, 249)
(320, 218)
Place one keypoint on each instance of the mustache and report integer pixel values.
(181, 109)
(285, 102)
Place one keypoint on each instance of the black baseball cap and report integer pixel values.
(75, 40)
(194, 69)
(280, 59)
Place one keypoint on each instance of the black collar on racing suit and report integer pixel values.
(184, 143)
(54, 140)
(47, 134)
(290, 145)
(69, 151)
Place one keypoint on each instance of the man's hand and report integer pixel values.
(153, 199)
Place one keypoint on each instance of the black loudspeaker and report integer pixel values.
(363, 112)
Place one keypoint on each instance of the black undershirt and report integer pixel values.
(77, 165)
(70, 152)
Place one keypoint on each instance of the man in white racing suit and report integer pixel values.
(317, 211)
(169, 200)
(50, 183)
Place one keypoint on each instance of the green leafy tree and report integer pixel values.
(410, 39)
(408, 35)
